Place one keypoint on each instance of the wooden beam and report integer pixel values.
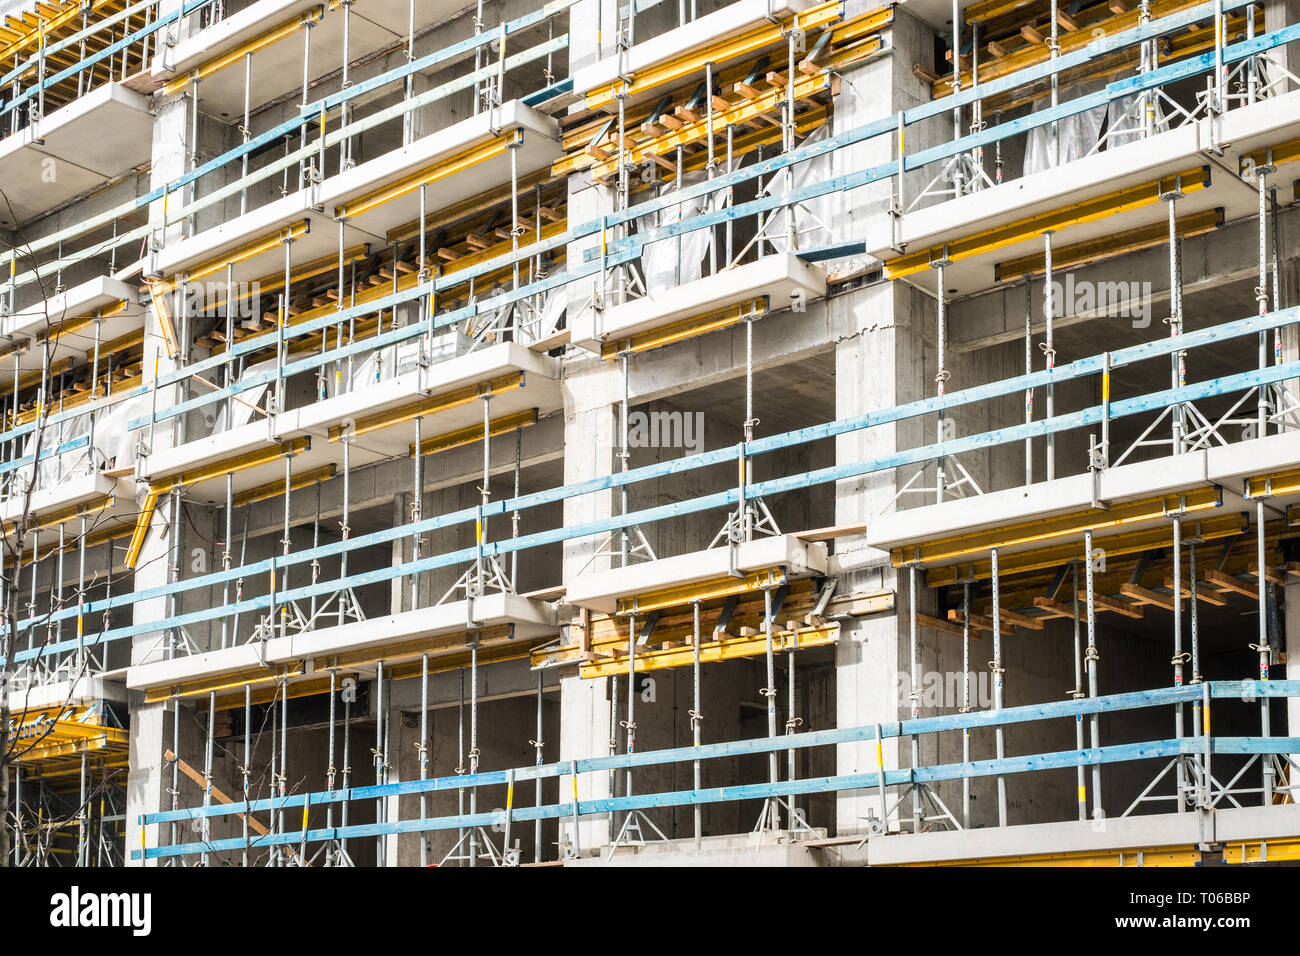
(1226, 582)
(1210, 597)
(1104, 603)
(1141, 595)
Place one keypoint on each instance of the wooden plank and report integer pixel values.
(943, 627)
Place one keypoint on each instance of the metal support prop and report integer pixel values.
(422, 748)
(1049, 347)
(996, 667)
(1262, 646)
(1091, 658)
(1179, 656)
(1078, 693)
(697, 717)
(965, 701)
(537, 744)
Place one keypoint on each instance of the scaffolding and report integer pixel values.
(357, 415)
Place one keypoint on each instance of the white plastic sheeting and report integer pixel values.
(672, 262)
(812, 219)
(1078, 134)
(55, 468)
(115, 443)
(233, 414)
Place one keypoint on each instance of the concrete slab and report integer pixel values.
(711, 29)
(1042, 500)
(731, 850)
(87, 689)
(277, 68)
(528, 619)
(1188, 147)
(784, 278)
(97, 136)
(102, 293)
(600, 590)
(319, 207)
(68, 493)
(541, 390)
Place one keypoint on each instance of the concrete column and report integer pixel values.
(150, 725)
(584, 704)
(867, 655)
(879, 363)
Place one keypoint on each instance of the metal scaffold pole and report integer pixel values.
(998, 670)
(1091, 658)
(965, 700)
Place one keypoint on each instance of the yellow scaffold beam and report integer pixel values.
(50, 519)
(688, 328)
(1278, 483)
(241, 253)
(1054, 556)
(473, 433)
(1137, 856)
(235, 680)
(736, 114)
(725, 649)
(701, 591)
(1287, 152)
(230, 57)
(252, 459)
(433, 645)
(1033, 227)
(1262, 851)
(429, 406)
(749, 43)
(273, 489)
(1094, 250)
(461, 161)
(1042, 531)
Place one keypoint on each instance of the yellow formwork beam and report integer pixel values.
(749, 43)
(461, 161)
(435, 645)
(688, 328)
(1137, 856)
(1262, 851)
(252, 459)
(1286, 152)
(428, 406)
(1069, 41)
(209, 685)
(1279, 483)
(241, 253)
(726, 649)
(273, 489)
(1207, 529)
(737, 113)
(1045, 530)
(1033, 227)
(233, 56)
(712, 590)
(474, 433)
(1094, 250)
(51, 518)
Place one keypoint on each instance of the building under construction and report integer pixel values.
(602, 433)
